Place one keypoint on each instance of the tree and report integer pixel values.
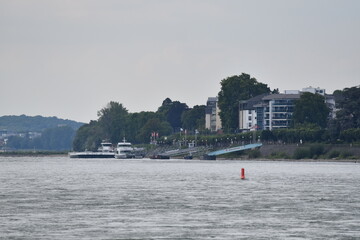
(194, 118)
(59, 138)
(348, 101)
(18, 142)
(110, 126)
(115, 123)
(135, 132)
(88, 137)
(172, 110)
(233, 90)
(113, 120)
(163, 128)
(311, 108)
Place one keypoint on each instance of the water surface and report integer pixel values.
(63, 198)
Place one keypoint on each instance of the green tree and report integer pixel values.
(172, 110)
(348, 101)
(311, 108)
(137, 121)
(88, 137)
(17, 142)
(194, 118)
(113, 119)
(115, 122)
(59, 138)
(233, 90)
(163, 128)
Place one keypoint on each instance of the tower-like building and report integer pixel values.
(212, 118)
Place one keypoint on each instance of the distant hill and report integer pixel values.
(25, 123)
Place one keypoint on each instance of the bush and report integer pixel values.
(301, 153)
(316, 150)
(279, 155)
(345, 154)
(334, 154)
(254, 153)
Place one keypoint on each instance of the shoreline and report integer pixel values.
(291, 160)
(32, 154)
(65, 154)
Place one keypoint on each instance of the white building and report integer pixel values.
(276, 111)
(247, 113)
(317, 90)
(271, 111)
(212, 118)
(267, 111)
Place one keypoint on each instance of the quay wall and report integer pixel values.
(289, 149)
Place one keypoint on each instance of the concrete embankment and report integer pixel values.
(337, 150)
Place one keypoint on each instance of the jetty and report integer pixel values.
(212, 155)
(204, 152)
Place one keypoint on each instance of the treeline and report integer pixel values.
(25, 123)
(311, 121)
(58, 138)
(300, 135)
(115, 123)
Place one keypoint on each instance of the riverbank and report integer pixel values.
(196, 159)
(289, 160)
(312, 152)
(32, 154)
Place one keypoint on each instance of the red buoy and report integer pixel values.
(242, 173)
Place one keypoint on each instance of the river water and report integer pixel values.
(63, 198)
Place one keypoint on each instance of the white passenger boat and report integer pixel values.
(105, 151)
(124, 150)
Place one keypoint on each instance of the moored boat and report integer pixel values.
(124, 150)
(105, 151)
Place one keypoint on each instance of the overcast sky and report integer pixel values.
(70, 58)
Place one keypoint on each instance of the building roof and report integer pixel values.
(250, 103)
(212, 99)
(281, 96)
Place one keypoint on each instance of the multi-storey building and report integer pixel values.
(266, 111)
(247, 113)
(271, 111)
(275, 111)
(212, 118)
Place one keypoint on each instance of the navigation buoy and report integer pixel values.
(242, 173)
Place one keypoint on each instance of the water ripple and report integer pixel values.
(61, 198)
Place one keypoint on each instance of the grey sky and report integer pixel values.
(70, 58)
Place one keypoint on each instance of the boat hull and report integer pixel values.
(91, 155)
(120, 156)
(124, 156)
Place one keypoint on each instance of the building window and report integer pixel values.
(249, 118)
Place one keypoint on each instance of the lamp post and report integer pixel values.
(196, 133)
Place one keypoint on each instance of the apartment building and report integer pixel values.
(212, 118)
(247, 113)
(266, 111)
(272, 111)
(275, 111)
